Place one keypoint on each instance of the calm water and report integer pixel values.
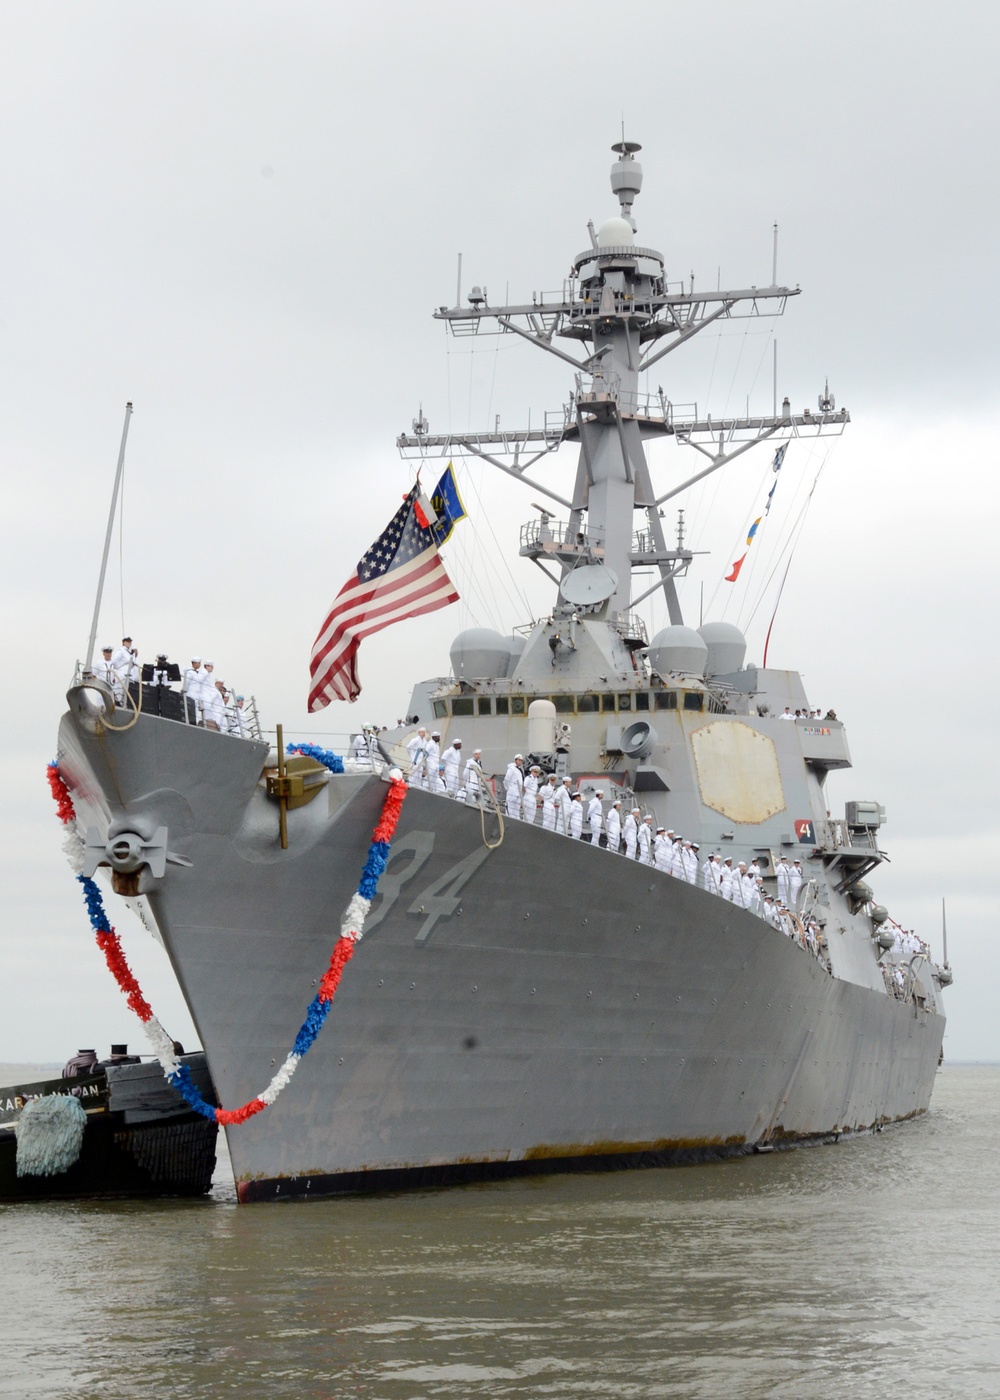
(853, 1270)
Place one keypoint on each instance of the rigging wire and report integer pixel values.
(791, 546)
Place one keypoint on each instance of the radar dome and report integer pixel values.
(479, 653)
(727, 648)
(614, 232)
(678, 649)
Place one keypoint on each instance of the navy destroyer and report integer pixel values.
(523, 1001)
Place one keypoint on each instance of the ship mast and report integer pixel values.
(625, 316)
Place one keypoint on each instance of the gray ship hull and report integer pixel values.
(535, 1005)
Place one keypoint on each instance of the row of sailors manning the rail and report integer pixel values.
(217, 707)
(632, 835)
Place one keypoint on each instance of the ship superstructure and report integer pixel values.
(521, 999)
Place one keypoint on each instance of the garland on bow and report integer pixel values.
(327, 757)
(351, 926)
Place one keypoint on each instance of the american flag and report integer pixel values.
(400, 576)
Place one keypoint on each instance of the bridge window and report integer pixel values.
(607, 702)
(564, 704)
(440, 709)
(694, 700)
(641, 700)
(666, 700)
(484, 705)
(462, 705)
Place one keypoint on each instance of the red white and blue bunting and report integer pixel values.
(351, 927)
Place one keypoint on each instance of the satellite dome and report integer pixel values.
(615, 232)
(727, 648)
(479, 653)
(678, 649)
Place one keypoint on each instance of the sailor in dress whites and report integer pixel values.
(474, 779)
(529, 797)
(614, 827)
(595, 817)
(214, 708)
(513, 782)
(726, 878)
(712, 874)
(783, 871)
(689, 858)
(416, 747)
(124, 661)
(564, 800)
(193, 684)
(547, 798)
(661, 850)
(630, 831)
(677, 858)
(794, 884)
(575, 821)
(645, 841)
(450, 762)
(105, 671)
(432, 763)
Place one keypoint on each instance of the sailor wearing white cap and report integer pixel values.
(416, 747)
(727, 877)
(529, 798)
(783, 871)
(547, 799)
(661, 850)
(575, 822)
(564, 800)
(474, 779)
(630, 832)
(614, 827)
(513, 782)
(689, 858)
(711, 875)
(432, 763)
(644, 840)
(595, 817)
(677, 859)
(794, 884)
(450, 760)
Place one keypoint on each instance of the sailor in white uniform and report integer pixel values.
(630, 831)
(711, 875)
(105, 671)
(450, 761)
(474, 779)
(677, 859)
(529, 797)
(214, 708)
(614, 827)
(595, 817)
(124, 661)
(547, 798)
(416, 747)
(794, 884)
(726, 878)
(575, 821)
(645, 841)
(661, 850)
(689, 857)
(783, 871)
(432, 763)
(564, 800)
(193, 684)
(513, 782)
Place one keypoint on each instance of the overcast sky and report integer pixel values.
(240, 217)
